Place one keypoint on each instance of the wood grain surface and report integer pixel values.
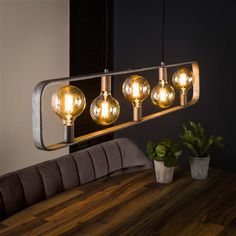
(134, 204)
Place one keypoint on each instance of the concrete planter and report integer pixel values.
(199, 167)
(164, 174)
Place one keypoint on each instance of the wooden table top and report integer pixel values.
(134, 204)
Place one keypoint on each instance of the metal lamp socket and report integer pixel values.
(183, 98)
(137, 113)
(163, 73)
(68, 134)
(106, 83)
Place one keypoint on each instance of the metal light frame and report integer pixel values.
(40, 87)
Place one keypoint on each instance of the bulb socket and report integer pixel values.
(68, 133)
(163, 73)
(137, 113)
(183, 98)
(106, 83)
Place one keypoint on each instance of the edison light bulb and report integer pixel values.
(163, 94)
(183, 81)
(68, 103)
(136, 89)
(105, 110)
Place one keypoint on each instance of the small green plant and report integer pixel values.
(165, 150)
(195, 140)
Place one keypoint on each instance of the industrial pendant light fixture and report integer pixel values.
(163, 94)
(105, 109)
(69, 101)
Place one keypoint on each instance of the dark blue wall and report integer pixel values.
(195, 30)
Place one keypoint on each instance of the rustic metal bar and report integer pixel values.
(40, 87)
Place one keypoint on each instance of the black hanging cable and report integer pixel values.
(163, 32)
(106, 36)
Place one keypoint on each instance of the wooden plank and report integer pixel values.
(223, 210)
(30, 213)
(192, 207)
(201, 229)
(229, 229)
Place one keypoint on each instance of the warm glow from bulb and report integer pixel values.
(68, 103)
(135, 90)
(182, 79)
(105, 110)
(163, 95)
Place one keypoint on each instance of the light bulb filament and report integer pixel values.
(68, 103)
(182, 79)
(135, 88)
(105, 110)
(163, 94)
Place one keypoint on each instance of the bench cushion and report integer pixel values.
(84, 166)
(99, 161)
(12, 194)
(113, 155)
(132, 156)
(2, 211)
(32, 185)
(51, 178)
(69, 173)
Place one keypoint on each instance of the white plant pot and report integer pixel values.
(199, 167)
(164, 174)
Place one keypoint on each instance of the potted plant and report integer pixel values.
(199, 145)
(165, 154)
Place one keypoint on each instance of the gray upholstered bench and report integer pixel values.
(28, 186)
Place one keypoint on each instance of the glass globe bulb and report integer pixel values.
(105, 110)
(136, 89)
(163, 94)
(68, 103)
(183, 79)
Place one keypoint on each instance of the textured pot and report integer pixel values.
(164, 174)
(199, 167)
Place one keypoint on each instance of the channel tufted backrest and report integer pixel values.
(12, 194)
(32, 185)
(69, 173)
(36, 183)
(84, 166)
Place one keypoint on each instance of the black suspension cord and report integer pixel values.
(163, 31)
(106, 36)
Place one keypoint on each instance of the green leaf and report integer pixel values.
(194, 139)
(150, 150)
(177, 154)
(170, 161)
(160, 151)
